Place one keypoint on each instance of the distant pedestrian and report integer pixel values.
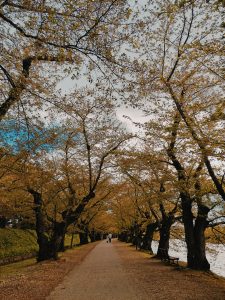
(109, 237)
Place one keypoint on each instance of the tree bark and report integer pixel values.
(3, 221)
(194, 234)
(83, 237)
(187, 215)
(92, 236)
(199, 235)
(164, 231)
(98, 236)
(45, 248)
(58, 237)
(148, 237)
(123, 236)
(71, 241)
(50, 245)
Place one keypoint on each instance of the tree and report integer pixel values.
(43, 42)
(194, 187)
(155, 195)
(186, 72)
(68, 182)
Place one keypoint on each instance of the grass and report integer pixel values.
(16, 267)
(76, 240)
(16, 242)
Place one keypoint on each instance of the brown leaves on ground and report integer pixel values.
(162, 281)
(36, 280)
(159, 281)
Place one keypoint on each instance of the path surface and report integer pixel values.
(101, 276)
(117, 272)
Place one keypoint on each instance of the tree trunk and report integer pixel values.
(148, 237)
(62, 243)
(54, 244)
(194, 235)
(58, 238)
(186, 204)
(123, 236)
(199, 235)
(83, 237)
(45, 249)
(165, 235)
(71, 241)
(98, 236)
(3, 221)
(92, 236)
(48, 245)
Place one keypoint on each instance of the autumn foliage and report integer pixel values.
(68, 165)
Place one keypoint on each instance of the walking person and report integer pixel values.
(109, 237)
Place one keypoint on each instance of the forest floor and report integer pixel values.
(106, 271)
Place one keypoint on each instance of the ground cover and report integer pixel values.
(160, 280)
(28, 280)
(19, 242)
(15, 242)
(215, 254)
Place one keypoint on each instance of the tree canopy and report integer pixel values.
(68, 164)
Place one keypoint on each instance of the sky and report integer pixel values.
(135, 115)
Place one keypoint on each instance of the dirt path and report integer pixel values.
(106, 271)
(101, 276)
(117, 271)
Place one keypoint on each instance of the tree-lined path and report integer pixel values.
(100, 276)
(117, 271)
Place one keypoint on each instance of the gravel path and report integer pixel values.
(101, 276)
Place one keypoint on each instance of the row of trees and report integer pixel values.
(163, 57)
(169, 188)
(64, 174)
(182, 168)
(55, 165)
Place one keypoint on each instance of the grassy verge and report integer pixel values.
(16, 267)
(17, 242)
(76, 240)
